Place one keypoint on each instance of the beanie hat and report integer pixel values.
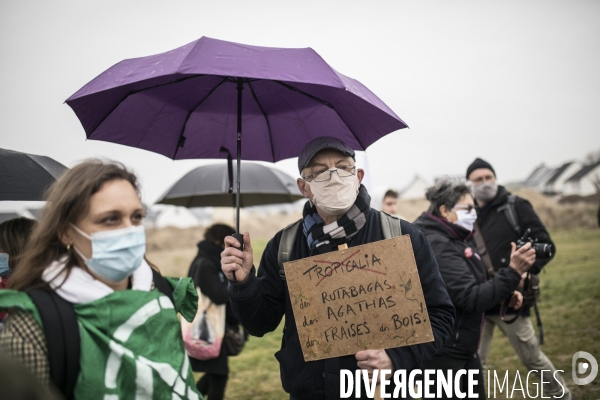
(477, 164)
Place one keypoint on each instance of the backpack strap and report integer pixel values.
(390, 225)
(162, 285)
(62, 335)
(510, 212)
(286, 244)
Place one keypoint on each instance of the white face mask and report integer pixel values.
(466, 219)
(335, 196)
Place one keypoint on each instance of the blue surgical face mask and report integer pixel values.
(3, 263)
(116, 254)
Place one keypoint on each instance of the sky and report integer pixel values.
(515, 82)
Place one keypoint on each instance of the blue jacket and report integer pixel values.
(261, 301)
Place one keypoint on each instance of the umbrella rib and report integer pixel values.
(187, 118)
(325, 103)
(135, 92)
(266, 119)
(290, 87)
(355, 137)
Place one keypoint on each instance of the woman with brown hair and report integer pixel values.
(86, 258)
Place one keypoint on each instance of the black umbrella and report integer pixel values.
(26, 177)
(211, 186)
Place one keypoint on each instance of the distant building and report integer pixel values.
(33, 213)
(415, 189)
(537, 179)
(203, 214)
(179, 217)
(7, 215)
(150, 218)
(584, 182)
(555, 184)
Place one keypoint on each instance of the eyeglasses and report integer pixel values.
(467, 207)
(325, 175)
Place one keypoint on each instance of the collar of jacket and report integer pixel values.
(448, 229)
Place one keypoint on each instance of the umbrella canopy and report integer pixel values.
(26, 176)
(209, 186)
(183, 103)
(192, 102)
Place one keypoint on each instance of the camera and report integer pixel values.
(542, 250)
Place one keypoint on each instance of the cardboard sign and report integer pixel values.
(364, 297)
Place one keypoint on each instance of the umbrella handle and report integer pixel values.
(240, 238)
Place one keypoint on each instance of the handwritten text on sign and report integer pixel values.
(364, 297)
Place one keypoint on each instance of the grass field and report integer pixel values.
(570, 309)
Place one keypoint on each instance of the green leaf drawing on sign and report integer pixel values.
(405, 340)
(299, 296)
(407, 287)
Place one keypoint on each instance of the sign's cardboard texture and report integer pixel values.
(364, 297)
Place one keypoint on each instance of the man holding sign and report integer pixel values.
(338, 215)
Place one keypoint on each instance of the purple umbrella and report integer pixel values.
(191, 102)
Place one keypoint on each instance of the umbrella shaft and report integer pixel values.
(240, 87)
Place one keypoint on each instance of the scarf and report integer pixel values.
(81, 287)
(322, 238)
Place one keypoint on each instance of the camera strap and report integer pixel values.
(482, 250)
(504, 305)
(539, 323)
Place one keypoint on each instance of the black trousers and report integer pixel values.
(212, 386)
(455, 364)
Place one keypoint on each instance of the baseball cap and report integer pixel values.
(322, 143)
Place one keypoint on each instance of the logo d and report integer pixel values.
(582, 367)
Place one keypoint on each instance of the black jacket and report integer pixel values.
(464, 274)
(498, 233)
(261, 301)
(206, 273)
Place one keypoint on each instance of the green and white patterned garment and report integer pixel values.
(131, 345)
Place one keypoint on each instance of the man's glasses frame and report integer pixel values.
(324, 176)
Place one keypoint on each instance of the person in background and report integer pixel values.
(14, 235)
(83, 293)
(499, 234)
(448, 226)
(206, 273)
(390, 202)
(338, 212)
